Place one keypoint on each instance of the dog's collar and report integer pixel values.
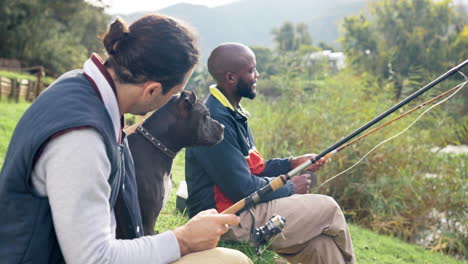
(156, 142)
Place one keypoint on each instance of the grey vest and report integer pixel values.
(27, 233)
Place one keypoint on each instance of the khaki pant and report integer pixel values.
(215, 256)
(315, 232)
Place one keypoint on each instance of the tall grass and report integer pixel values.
(369, 247)
(390, 190)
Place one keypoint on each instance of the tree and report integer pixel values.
(402, 41)
(290, 37)
(266, 64)
(285, 36)
(302, 35)
(56, 34)
(326, 46)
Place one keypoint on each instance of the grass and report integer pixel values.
(10, 113)
(369, 247)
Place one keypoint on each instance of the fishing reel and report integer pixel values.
(261, 236)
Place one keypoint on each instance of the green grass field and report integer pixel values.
(369, 246)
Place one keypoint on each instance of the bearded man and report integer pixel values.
(220, 175)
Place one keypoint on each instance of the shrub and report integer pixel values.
(390, 190)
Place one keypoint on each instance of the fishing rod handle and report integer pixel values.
(256, 197)
(235, 207)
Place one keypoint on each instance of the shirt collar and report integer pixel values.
(94, 68)
(224, 101)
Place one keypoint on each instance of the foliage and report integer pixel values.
(291, 63)
(326, 46)
(265, 58)
(405, 41)
(56, 34)
(460, 43)
(199, 82)
(290, 37)
(389, 191)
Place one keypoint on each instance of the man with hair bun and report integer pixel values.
(68, 159)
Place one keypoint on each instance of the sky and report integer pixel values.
(130, 6)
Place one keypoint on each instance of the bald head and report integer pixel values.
(228, 57)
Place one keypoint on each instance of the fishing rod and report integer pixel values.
(393, 120)
(281, 180)
(454, 91)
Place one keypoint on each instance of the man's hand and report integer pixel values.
(301, 159)
(203, 231)
(301, 183)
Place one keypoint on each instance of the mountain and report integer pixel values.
(251, 21)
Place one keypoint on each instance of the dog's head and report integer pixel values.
(185, 122)
(195, 122)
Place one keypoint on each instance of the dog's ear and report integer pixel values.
(184, 102)
(189, 96)
(193, 97)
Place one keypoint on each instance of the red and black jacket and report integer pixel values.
(220, 175)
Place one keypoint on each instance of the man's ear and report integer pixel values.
(230, 77)
(152, 89)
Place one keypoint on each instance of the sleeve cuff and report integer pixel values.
(290, 187)
(287, 164)
(171, 247)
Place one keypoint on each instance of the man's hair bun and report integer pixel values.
(117, 33)
(155, 48)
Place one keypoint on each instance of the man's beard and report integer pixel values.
(245, 89)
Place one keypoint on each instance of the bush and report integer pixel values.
(392, 190)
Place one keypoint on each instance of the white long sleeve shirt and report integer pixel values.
(73, 171)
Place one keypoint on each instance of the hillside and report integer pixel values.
(251, 21)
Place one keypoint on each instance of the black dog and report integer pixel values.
(182, 122)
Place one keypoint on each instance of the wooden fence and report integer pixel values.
(14, 89)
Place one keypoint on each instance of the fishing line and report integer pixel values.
(394, 136)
